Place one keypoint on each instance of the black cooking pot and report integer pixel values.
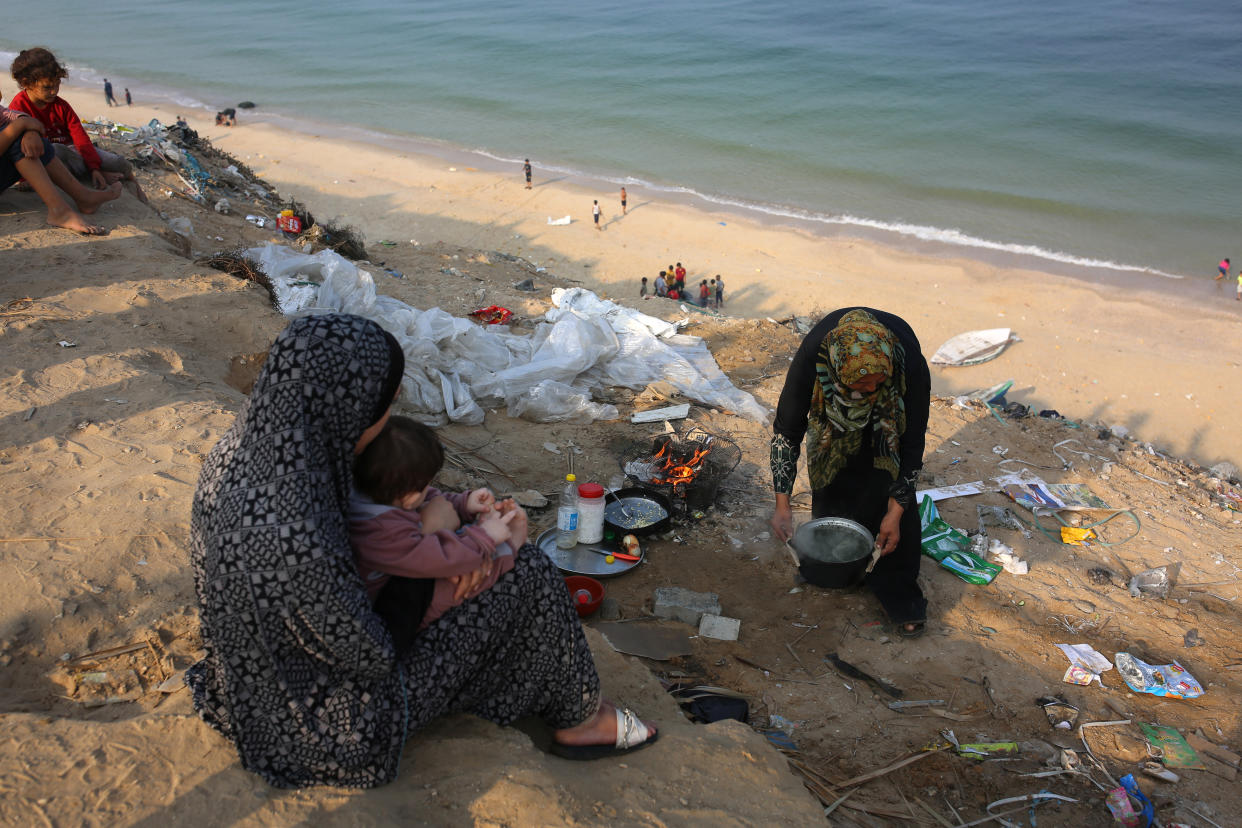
(646, 512)
(834, 552)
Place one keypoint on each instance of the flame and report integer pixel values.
(678, 471)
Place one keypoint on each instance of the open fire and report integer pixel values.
(689, 468)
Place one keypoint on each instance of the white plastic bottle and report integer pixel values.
(590, 513)
(567, 515)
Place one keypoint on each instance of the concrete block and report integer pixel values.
(719, 627)
(684, 605)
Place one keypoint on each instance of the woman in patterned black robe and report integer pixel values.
(299, 673)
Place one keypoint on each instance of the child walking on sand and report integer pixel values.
(39, 74)
(25, 153)
(421, 552)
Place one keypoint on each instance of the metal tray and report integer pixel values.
(581, 560)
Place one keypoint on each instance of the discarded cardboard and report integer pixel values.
(648, 639)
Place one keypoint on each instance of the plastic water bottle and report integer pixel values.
(567, 515)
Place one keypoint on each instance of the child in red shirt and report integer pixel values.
(39, 74)
(25, 153)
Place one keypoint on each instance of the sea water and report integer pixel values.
(1102, 135)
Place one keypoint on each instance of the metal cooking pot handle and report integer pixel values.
(875, 558)
(793, 553)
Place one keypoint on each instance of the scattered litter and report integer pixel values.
(654, 415)
(560, 222)
(778, 722)
(1159, 771)
(1155, 582)
(1007, 558)
(1002, 517)
(1061, 714)
(1123, 811)
(173, 684)
(552, 447)
(65, 343)
(525, 284)
(780, 740)
(705, 704)
(1000, 451)
(1147, 811)
(1041, 497)
(1175, 752)
(1086, 664)
(1192, 639)
(492, 315)
(974, 347)
(1076, 536)
(223, 206)
(950, 548)
(101, 687)
(646, 639)
(1167, 680)
(257, 221)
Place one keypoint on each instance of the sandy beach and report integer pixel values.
(103, 437)
(1165, 367)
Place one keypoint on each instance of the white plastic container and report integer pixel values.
(567, 515)
(590, 513)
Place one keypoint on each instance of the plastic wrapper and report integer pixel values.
(1156, 582)
(554, 402)
(950, 547)
(1168, 680)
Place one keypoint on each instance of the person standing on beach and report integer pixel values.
(526, 172)
(713, 293)
(719, 291)
(1223, 267)
(623, 197)
(661, 285)
(109, 98)
(129, 99)
(704, 293)
(595, 213)
(642, 291)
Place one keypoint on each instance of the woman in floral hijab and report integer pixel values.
(859, 390)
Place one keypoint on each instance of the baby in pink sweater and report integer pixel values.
(421, 552)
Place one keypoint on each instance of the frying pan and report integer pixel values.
(648, 511)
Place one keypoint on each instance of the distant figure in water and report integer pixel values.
(129, 100)
(1223, 267)
(108, 96)
(226, 117)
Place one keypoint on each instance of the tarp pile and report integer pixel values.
(454, 367)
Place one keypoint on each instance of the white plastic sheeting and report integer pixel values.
(454, 367)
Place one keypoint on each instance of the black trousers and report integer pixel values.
(860, 493)
(401, 605)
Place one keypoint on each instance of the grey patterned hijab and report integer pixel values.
(299, 673)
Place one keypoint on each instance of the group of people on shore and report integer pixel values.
(43, 142)
(671, 284)
(110, 98)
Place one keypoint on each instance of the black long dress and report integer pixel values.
(860, 491)
(299, 673)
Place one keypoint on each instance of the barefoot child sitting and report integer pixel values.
(25, 153)
(421, 551)
(39, 74)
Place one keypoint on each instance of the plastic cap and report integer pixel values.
(590, 490)
(571, 477)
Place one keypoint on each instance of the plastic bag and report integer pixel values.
(554, 402)
(950, 548)
(1168, 680)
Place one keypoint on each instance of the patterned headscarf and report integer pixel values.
(299, 673)
(857, 348)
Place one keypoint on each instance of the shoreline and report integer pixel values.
(1154, 358)
(942, 242)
